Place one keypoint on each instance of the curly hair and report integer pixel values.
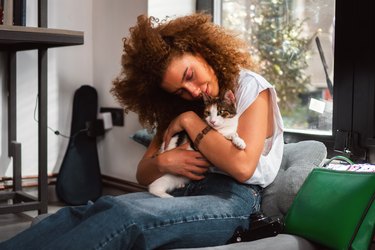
(150, 47)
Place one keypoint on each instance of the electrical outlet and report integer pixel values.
(95, 128)
(117, 115)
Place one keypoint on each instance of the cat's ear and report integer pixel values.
(229, 97)
(206, 98)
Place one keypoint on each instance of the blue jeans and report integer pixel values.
(204, 213)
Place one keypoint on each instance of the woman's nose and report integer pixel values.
(192, 89)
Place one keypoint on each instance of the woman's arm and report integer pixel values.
(255, 125)
(147, 170)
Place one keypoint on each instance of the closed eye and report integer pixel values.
(189, 75)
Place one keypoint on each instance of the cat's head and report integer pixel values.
(219, 109)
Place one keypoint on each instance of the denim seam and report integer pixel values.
(257, 199)
(192, 220)
(123, 229)
(113, 235)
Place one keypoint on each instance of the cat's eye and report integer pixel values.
(223, 113)
(207, 113)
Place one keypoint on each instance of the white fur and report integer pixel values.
(226, 127)
(167, 183)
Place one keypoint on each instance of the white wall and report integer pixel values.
(119, 155)
(96, 63)
(170, 8)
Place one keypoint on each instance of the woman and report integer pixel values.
(167, 66)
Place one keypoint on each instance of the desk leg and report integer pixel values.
(42, 130)
(17, 166)
(12, 100)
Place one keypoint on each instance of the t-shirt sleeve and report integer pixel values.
(250, 85)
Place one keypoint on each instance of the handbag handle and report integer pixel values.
(337, 157)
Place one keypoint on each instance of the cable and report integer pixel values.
(56, 132)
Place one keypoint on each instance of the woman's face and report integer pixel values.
(188, 76)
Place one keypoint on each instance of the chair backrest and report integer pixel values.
(298, 161)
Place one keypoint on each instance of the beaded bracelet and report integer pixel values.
(200, 136)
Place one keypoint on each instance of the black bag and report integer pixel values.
(261, 227)
(79, 178)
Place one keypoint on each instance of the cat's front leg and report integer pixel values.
(167, 183)
(238, 141)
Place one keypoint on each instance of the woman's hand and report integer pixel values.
(178, 125)
(180, 160)
(185, 162)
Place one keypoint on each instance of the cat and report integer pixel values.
(221, 115)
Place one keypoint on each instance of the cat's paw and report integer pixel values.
(239, 143)
(165, 195)
(161, 194)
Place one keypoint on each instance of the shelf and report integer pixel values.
(27, 38)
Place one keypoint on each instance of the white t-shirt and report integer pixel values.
(250, 85)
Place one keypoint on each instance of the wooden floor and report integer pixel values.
(12, 224)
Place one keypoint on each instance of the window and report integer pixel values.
(292, 43)
(348, 35)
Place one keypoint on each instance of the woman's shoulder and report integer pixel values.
(250, 84)
(248, 77)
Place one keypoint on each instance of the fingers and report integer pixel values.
(199, 170)
(196, 173)
(196, 159)
(195, 177)
(199, 160)
(200, 163)
(186, 162)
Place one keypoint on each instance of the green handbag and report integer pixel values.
(335, 209)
